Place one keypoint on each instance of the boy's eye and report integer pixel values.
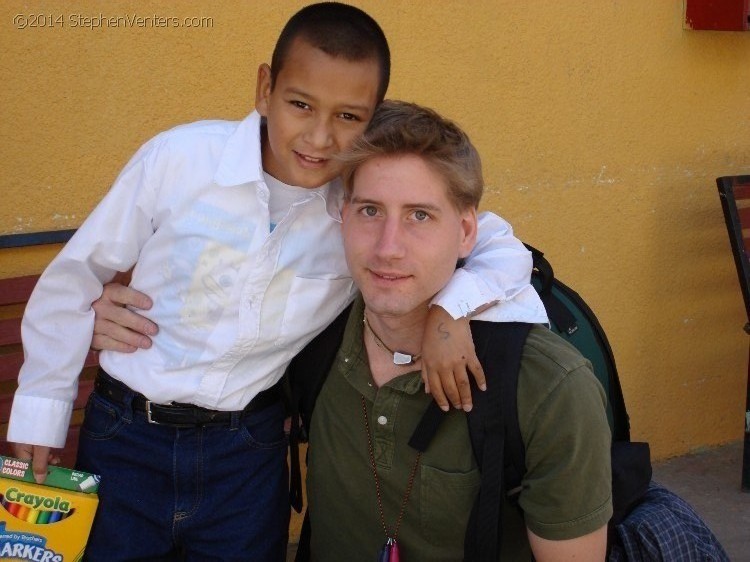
(369, 211)
(350, 117)
(299, 104)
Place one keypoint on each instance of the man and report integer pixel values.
(234, 227)
(412, 186)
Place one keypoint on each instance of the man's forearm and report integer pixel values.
(588, 548)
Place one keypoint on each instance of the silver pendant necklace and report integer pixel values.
(399, 358)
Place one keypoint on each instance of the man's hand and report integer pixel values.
(39, 456)
(117, 328)
(447, 356)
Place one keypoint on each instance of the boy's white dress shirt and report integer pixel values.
(234, 301)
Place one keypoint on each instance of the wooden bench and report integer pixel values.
(14, 294)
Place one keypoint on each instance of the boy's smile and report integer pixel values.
(317, 107)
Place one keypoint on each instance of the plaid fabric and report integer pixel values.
(664, 527)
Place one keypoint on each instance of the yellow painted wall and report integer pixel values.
(602, 124)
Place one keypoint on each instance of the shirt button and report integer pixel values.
(382, 420)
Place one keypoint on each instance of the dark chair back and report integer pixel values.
(735, 200)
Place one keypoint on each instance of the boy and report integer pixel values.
(234, 230)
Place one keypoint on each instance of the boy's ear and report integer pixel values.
(263, 89)
(469, 227)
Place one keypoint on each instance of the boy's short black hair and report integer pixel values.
(338, 30)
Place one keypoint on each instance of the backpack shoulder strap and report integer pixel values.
(558, 313)
(494, 432)
(308, 370)
(303, 380)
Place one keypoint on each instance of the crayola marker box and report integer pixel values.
(47, 522)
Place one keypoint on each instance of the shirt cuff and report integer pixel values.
(463, 295)
(573, 529)
(524, 306)
(39, 421)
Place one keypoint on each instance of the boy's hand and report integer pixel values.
(447, 353)
(117, 328)
(39, 456)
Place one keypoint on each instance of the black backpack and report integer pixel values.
(572, 319)
(496, 434)
(493, 422)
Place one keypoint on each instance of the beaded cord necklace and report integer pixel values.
(390, 551)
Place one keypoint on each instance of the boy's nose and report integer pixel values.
(320, 134)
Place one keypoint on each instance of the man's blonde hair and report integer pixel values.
(401, 128)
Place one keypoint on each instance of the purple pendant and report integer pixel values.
(395, 556)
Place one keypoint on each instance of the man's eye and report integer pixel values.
(349, 117)
(421, 215)
(369, 211)
(299, 104)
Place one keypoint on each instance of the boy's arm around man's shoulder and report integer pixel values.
(493, 285)
(497, 272)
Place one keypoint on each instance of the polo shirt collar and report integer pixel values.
(353, 363)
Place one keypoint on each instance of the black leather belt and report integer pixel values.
(175, 414)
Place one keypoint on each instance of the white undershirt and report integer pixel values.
(282, 197)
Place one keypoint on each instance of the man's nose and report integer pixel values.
(390, 243)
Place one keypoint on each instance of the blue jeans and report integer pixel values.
(204, 493)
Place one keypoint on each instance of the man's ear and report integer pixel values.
(263, 89)
(469, 229)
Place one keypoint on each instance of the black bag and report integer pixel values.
(574, 321)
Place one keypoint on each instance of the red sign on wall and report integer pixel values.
(720, 15)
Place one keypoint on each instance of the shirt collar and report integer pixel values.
(242, 162)
(334, 199)
(241, 159)
(354, 365)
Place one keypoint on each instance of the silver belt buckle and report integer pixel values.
(148, 413)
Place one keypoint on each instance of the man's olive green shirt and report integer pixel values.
(567, 487)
